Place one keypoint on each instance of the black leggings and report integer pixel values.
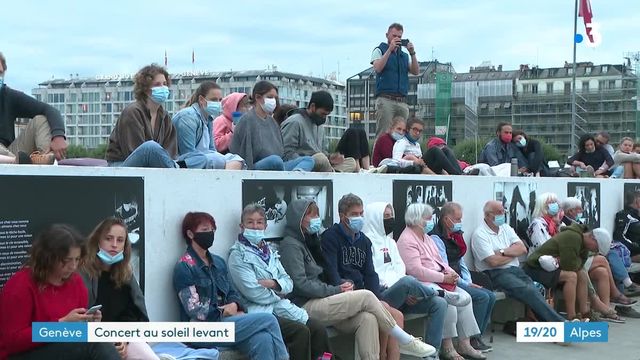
(70, 351)
(354, 143)
(304, 342)
(442, 159)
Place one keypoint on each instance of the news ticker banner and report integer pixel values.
(222, 332)
(569, 332)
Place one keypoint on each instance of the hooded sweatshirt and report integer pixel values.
(223, 124)
(567, 245)
(296, 250)
(349, 258)
(386, 258)
(301, 137)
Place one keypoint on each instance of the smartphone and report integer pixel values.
(404, 42)
(93, 309)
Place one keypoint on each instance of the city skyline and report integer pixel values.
(59, 39)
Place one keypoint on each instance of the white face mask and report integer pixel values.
(269, 105)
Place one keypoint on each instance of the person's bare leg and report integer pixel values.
(4, 159)
(569, 281)
(636, 171)
(582, 292)
(628, 171)
(366, 162)
(600, 279)
(597, 304)
(389, 348)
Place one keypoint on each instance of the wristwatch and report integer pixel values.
(502, 252)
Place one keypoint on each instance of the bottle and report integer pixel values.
(514, 167)
(235, 117)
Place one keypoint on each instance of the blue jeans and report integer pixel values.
(431, 304)
(301, 163)
(618, 270)
(271, 162)
(258, 337)
(149, 154)
(518, 285)
(483, 301)
(208, 159)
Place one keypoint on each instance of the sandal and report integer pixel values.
(622, 301)
(450, 354)
(613, 317)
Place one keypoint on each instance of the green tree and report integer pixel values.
(77, 151)
(99, 152)
(469, 150)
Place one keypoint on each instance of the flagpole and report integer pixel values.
(573, 85)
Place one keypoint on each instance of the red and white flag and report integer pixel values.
(585, 13)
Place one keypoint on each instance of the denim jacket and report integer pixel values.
(192, 129)
(248, 268)
(202, 288)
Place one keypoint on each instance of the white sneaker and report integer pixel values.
(417, 348)
(456, 299)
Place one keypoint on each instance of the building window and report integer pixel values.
(605, 69)
(585, 86)
(587, 71)
(549, 88)
(534, 88)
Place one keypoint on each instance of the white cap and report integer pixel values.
(603, 238)
(548, 263)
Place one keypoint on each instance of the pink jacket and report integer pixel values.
(421, 257)
(223, 124)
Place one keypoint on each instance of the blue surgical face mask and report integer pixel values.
(522, 143)
(214, 108)
(457, 227)
(579, 218)
(269, 105)
(253, 236)
(428, 226)
(500, 220)
(554, 208)
(356, 223)
(235, 117)
(315, 225)
(159, 94)
(396, 136)
(107, 259)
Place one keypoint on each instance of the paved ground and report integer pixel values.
(624, 344)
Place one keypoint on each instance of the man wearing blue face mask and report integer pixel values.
(259, 276)
(447, 235)
(194, 130)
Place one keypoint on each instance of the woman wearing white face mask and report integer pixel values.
(144, 135)
(257, 138)
(108, 277)
(193, 125)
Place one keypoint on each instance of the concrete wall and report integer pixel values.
(171, 193)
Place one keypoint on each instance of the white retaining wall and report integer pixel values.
(169, 194)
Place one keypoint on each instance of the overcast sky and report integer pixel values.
(52, 39)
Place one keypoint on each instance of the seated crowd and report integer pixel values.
(352, 276)
(255, 132)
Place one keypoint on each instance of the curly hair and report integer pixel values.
(144, 80)
(583, 141)
(51, 247)
(121, 272)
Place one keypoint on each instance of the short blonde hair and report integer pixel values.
(541, 203)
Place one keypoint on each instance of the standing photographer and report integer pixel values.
(392, 68)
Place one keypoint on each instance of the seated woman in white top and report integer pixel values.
(407, 151)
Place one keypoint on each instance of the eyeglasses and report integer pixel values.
(416, 130)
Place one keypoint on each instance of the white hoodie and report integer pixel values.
(390, 268)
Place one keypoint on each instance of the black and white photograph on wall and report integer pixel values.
(406, 192)
(518, 200)
(630, 187)
(589, 196)
(79, 201)
(275, 196)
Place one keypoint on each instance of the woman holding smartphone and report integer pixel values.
(109, 279)
(48, 289)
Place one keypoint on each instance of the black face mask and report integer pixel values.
(204, 239)
(389, 224)
(317, 119)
